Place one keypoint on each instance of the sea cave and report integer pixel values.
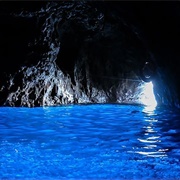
(75, 52)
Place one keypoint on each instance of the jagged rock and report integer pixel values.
(75, 52)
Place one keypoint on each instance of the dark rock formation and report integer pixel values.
(76, 52)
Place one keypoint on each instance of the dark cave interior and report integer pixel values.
(157, 22)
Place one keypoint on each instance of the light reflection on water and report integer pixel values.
(89, 141)
(150, 139)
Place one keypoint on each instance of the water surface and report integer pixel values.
(107, 141)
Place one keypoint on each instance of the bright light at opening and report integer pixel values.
(148, 97)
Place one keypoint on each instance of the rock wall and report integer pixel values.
(74, 52)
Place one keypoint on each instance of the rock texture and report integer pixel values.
(74, 52)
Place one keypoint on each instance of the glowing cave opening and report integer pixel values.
(148, 97)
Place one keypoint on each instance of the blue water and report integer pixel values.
(108, 141)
